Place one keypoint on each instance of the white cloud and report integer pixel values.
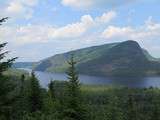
(19, 8)
(40, 34)
(113, 31)
(14, 7)
(37, 33)
(25, 34)
(149, 31)
(106, 17)
(73, 30)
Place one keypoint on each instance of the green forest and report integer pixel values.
(22, 97)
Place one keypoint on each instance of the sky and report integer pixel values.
(37, 29)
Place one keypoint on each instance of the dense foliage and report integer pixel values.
(96, 103)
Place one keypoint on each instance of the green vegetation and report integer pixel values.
(58, 62)
(15, 72)
(74, 106)
(26, 100)
(22, 98)
(117, 59)
(5, 85)
(109, 103)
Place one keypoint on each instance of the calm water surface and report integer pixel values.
(134, 82)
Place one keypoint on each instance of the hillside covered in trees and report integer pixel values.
(116, 59)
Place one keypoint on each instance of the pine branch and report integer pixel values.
(3, 20)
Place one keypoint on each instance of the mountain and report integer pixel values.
(116, 59)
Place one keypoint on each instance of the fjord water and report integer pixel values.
(133, 82)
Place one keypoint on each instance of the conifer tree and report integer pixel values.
(74, 109)
(51, 90)
(6, 86)
(22, 95)
(35, 96)
(4, 65)
(52, 105)
(74, 84)
(20, 106)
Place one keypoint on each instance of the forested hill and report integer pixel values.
(29, 65)
(116, 59)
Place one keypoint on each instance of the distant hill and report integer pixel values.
(116, 59)
(24, 64)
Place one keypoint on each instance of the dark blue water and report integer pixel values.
(133, 82)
